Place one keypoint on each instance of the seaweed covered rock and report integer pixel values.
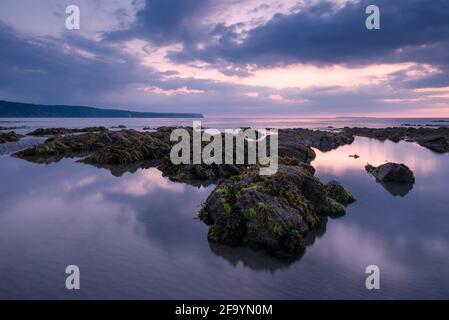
(190, 172)
(59, 131)
(391, 172)
(106, 147)
(275, 213)
(336, 191)
(128, 151)
(9, 137)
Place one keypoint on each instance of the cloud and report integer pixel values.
(62, 69)
(233, 56)
(165, 22)
(323, 34)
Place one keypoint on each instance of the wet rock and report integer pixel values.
(130, 148)
(290, 147)
(126, 147)
(106, 147)
(60, 131)
(322, 140)
(119, 127)
(437, 143)
(191, 172)
(336, 191)
(391, 172)
(274, 213)
(435, 139)
(9, 137)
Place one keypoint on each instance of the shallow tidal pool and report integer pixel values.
(137, 237)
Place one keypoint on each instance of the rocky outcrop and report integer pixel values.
(9, 137)
(434, 139)
(275, 213)
(60, 131)
(321, 140)
(391, 172)
(102, 148)
(125, 148)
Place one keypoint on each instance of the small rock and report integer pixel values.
(336, 191)
(391, 172)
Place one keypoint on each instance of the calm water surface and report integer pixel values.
(136, 236)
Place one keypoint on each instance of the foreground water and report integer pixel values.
(137, 236)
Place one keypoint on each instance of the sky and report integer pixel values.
(230, 57)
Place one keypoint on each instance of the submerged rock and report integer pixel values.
(275, 213)
(59, 131)
(391, 172)
(9, 137)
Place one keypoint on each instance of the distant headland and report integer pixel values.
(25, 110)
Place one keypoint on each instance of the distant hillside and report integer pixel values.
(24, 110)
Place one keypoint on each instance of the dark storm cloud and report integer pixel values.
(74, 70)
(321, 34)
(166, 21)
(67, 69)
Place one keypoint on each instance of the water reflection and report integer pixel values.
(258, 260)
(397, 189)
(417, 158)
(136, 236)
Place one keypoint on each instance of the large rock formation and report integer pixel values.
(105, 147)
(275, 213)
(126, 148)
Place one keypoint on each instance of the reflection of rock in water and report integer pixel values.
(397, 189)
(120, 170)
(11, 147)
(259, 260)
(253, 259)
